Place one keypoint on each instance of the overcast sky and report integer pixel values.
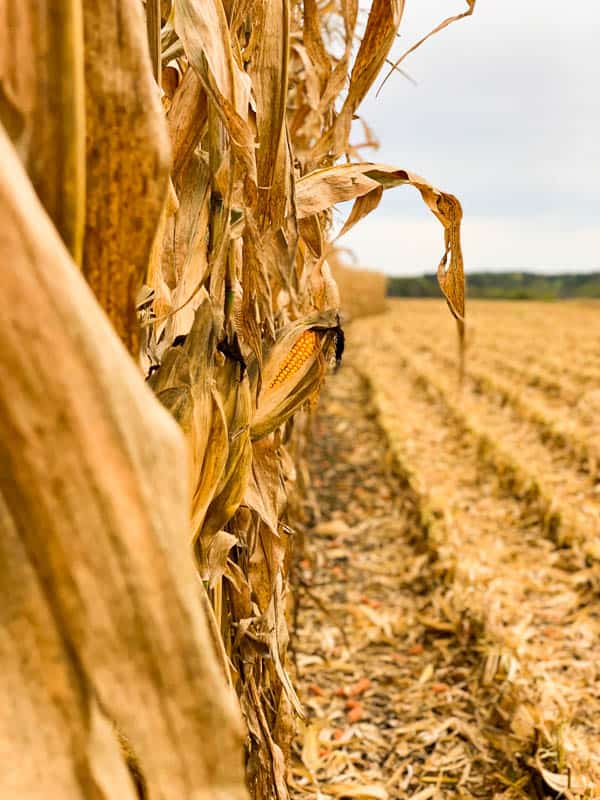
(506, 115)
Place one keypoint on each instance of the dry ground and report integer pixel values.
(447, 630)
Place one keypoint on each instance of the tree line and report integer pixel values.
(504, 286)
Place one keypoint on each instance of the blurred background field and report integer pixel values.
(362, 291)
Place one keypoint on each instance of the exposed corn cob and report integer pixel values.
(303, 348)
(293, 370)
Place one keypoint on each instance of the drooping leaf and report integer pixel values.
(364, 183)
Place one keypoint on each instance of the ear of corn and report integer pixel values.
(293, 371)
(303, 348)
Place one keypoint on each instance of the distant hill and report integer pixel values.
(505, 286)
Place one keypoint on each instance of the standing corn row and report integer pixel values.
(111, 678)
(241, 314)
(221, 248)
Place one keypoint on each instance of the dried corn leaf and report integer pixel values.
(383, 22)
(382, 25)
(269, 73)
(450, 277)
(234, 391)
(324, 287)
(313, 41)
(185, 385)
(203, 29)
(202, 26)
(264, 490)
(323, 188)
(310, 230)
(187, 119)
(364, 182)
(278, 637)
(217, 555)
(210, 451)
(183, 254)
(362, 206)
(264, 566)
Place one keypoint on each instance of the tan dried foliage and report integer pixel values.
(127, 159)
(239, 310)
(102, 627)
(42, 105)
(243, 316)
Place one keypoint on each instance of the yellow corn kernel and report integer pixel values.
(304, 347)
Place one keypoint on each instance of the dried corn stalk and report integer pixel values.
(127, 159)
(243, 318)
(102, 629)
(42, 104)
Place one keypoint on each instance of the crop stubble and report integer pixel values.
(495, 523)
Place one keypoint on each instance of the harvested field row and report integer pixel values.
(393, 691)
(531, 607)
(558, 426)
(428, 607)
(557, 381)
(549, 371)
(536, 335)
(563, 499)
(558, 455)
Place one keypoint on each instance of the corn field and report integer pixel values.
(168, 174)
(451, 648)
